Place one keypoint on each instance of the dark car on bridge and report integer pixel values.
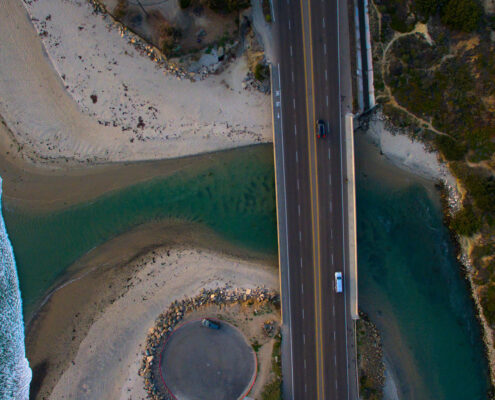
(321, 130)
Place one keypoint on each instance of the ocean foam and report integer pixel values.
(15, 374)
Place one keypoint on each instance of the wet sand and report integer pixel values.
(40, 187)
(97, 281)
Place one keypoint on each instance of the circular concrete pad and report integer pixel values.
(203, 363)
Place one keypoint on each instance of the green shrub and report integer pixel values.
(261, 72)
(466, 222)
(184, 3)
(265, 4)
(481, 144)
(452, 149)
(400, 25)
(479, 186)
(120, 9)
(488, 303)
(427, 8)
(462, 15)
(228, 6)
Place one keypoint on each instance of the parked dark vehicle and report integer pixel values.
(208, 323)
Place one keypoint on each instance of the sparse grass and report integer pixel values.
(273, 389)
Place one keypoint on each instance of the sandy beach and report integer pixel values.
(48, 89)
(87, 341)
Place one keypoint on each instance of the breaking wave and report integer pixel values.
(15, 374)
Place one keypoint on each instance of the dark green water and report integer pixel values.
(407, 269)
(409, 279)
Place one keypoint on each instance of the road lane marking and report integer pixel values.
(295, 130)
(326, 75)
(327, 99)
(287, 239)
(297, 183)
(323, 22)
(297, 157)
(329, 179)
(333, 310)
(304, 363)
(330, 205)
(320, 381)
(332, 258)
(324, 48)
(289, 24)
(294, 104)
(304, 338)
(335, 362)
(300, 236)
(342, 193)
(302, 288)
(300, 258)
(329, 153)
(299, 209)
(334, 336)
(303, 312)
(290, 49)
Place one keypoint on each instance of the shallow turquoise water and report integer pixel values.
(408, 276)
(234, 197)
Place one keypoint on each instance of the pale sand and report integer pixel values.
(85, 54)
(408, 154)
(105, 361)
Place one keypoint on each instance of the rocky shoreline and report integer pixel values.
(168, 320)
(370, 359)
(451, 193)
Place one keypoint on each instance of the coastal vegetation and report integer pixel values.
(435, 77)
(273, 390)
(370, 359)
(173, 28)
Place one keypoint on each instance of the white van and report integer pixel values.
(338, 282)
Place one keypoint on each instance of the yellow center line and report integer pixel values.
(316, 244)
(320, 308)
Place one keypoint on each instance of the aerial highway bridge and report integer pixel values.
(311, 81)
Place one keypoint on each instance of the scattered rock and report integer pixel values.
(166, 322)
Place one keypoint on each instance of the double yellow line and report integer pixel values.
(320, 375)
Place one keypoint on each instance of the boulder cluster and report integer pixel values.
(168, 320)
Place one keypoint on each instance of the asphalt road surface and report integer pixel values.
(310, 191)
